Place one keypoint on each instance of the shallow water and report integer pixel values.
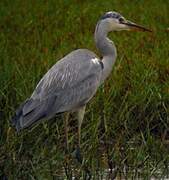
(117, 174)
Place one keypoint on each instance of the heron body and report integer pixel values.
(67, 86)
(72, 82)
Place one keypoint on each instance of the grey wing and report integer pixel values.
(66, 73)
(78, 95)
(67, 85)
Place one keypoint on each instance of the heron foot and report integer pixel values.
(78, 156)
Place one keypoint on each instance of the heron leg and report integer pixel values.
(80, 116)
(68, 170)
(66, 118)
(79, 157)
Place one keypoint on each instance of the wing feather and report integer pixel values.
(68, 85)
(72, 80)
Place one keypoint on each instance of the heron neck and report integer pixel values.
(107, 50)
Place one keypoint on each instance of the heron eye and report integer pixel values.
(121, 20)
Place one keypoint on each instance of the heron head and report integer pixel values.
(116, 22)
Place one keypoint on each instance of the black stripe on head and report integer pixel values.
(111, 15)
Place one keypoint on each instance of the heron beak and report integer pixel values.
(135, 27)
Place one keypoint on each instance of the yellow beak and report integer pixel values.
(135, 27)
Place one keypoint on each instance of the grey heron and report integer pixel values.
(71, 83)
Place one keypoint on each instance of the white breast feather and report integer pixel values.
(95, 60)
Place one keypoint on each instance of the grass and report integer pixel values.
(125, 122)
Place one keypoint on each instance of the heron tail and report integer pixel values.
(28, 113)
(16, 118)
